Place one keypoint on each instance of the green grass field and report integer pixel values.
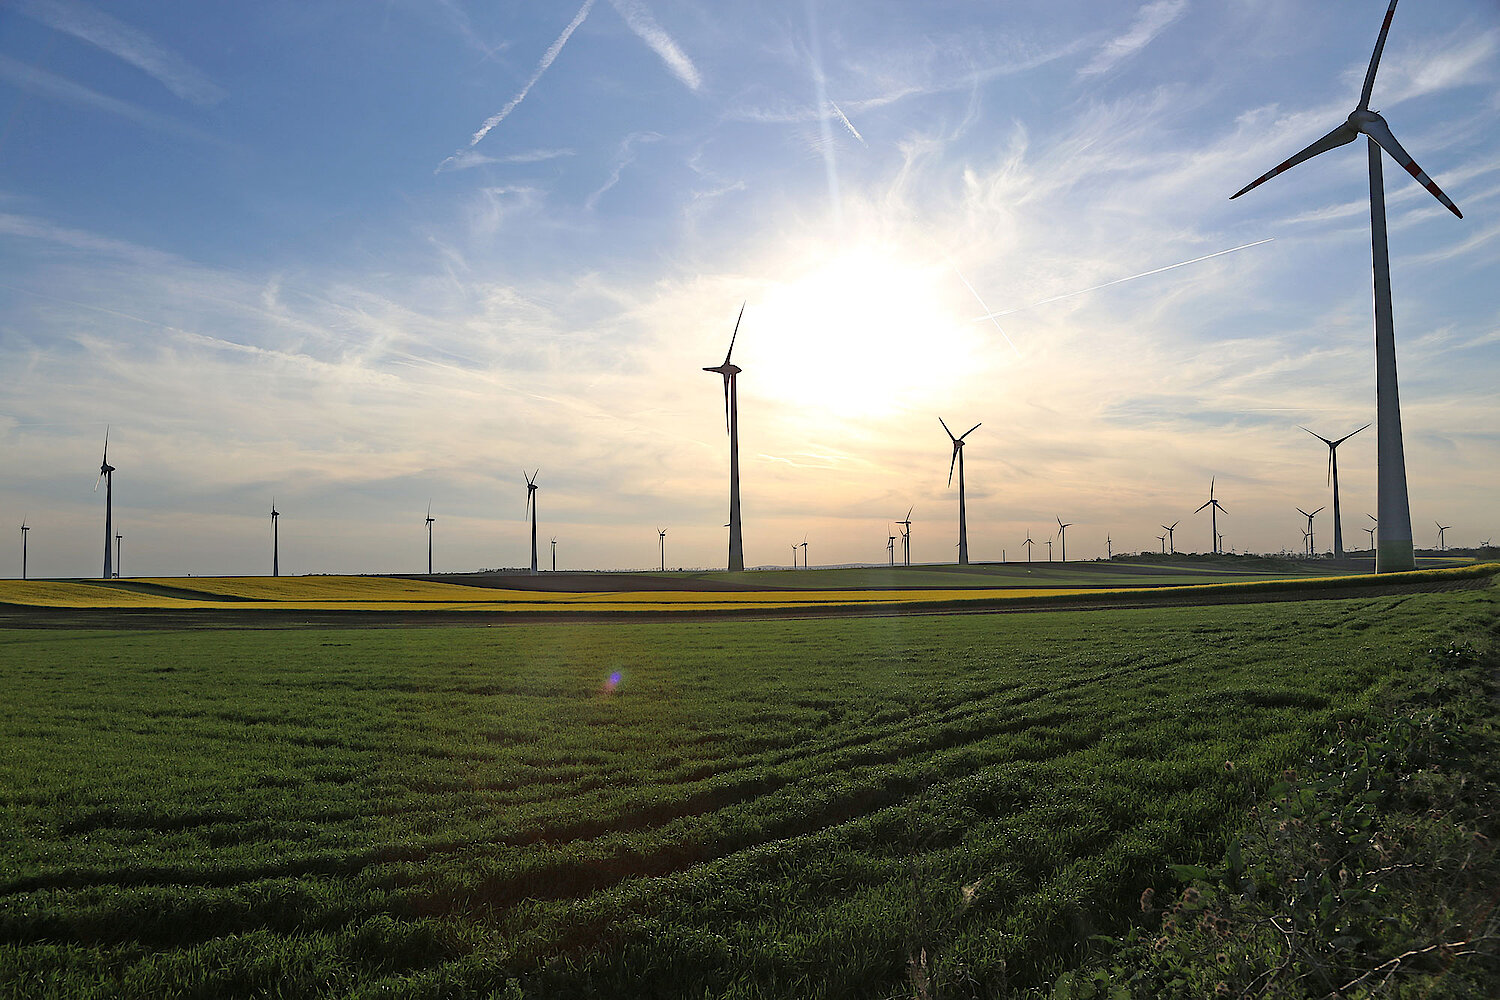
(784, 808)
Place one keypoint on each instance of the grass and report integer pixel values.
(787, 808)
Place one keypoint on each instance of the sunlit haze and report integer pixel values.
(360, 257)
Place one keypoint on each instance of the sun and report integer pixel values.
(864, 332)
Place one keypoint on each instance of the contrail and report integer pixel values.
(1095, 288)
(990, 316)
(848, 124)
(547, 58)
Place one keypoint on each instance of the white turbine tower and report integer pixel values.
(1395, 552)
(732, 425)
(958, 458)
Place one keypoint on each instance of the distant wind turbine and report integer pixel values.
(1311, 541)
(958, 458)
(531, 489)
(119, 540)
(1028, 543)
(1049, 549)
(1171, 537)
(25, 531)
(1333, 477)
(906, 536)
(1062, 533)
(890, 549)
(1395, 550)
(1163, 540)
(732, 425)
(1371, 532)
(1109, 547)
(554, 553)
(1213, 506)
(275, 539)
(107, 474)
(430, 519)
(661, 540)
(794, 555)
(1442, 529)
(804, 552)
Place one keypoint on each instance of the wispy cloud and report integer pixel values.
(125, 43)
(467, 159)
(848, 124)
(639, 18)
(1149, 22)
(57, 88)
(548, 58)
(624, 157)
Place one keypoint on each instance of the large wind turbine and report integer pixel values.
(531, 489)
(275, 540)
(107, 473)
(1062, 533)
(1395, 550)
(1214, 513)
(430, 519)
(1333, 477)
(958, 458)
(732, 425)
(1311, 542)
(25, 530)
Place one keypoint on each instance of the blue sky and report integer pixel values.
(356, 256)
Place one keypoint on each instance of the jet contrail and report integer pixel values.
(1095, 288)
(547, 58)
(848, 124)
(990, 316)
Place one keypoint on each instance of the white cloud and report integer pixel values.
(639, 18)
(125, 43)
(1150, 21)
(57, 88)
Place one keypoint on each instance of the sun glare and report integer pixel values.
(863, 333)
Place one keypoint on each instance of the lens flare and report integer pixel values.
(610, 683)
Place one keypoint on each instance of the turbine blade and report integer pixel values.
(736, 333)
(1220, 506)
(1346, 437)
(1303, 512)
(1316, 511)
(1329, 480)
(1200, 509)
(951, 462)
(945, 427)
(1345, 133)
(1385, 27)
(971, 430)
(1381, 133)
(1320, 437)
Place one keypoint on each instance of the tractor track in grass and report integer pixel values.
(27, 617)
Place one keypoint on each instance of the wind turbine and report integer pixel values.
(430, 519)
(1333, 477)
(1028, 543)
(275, 540)
(732, 425)
(794, 555)
(554, 553)
(1109, 547)
(804, 552)
(1062, 533)
(531, 489)
(1311, 542)
(1171, 537)
(661, 540)
(119, 539)
(1441, 529)
(107, 473)
(1371, 532)
(890, 548)
(958, 457)
(1395, 552)
(25, 530)
(1163, 540)
(1049, 550)
(1213, 513)
(906, 536)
